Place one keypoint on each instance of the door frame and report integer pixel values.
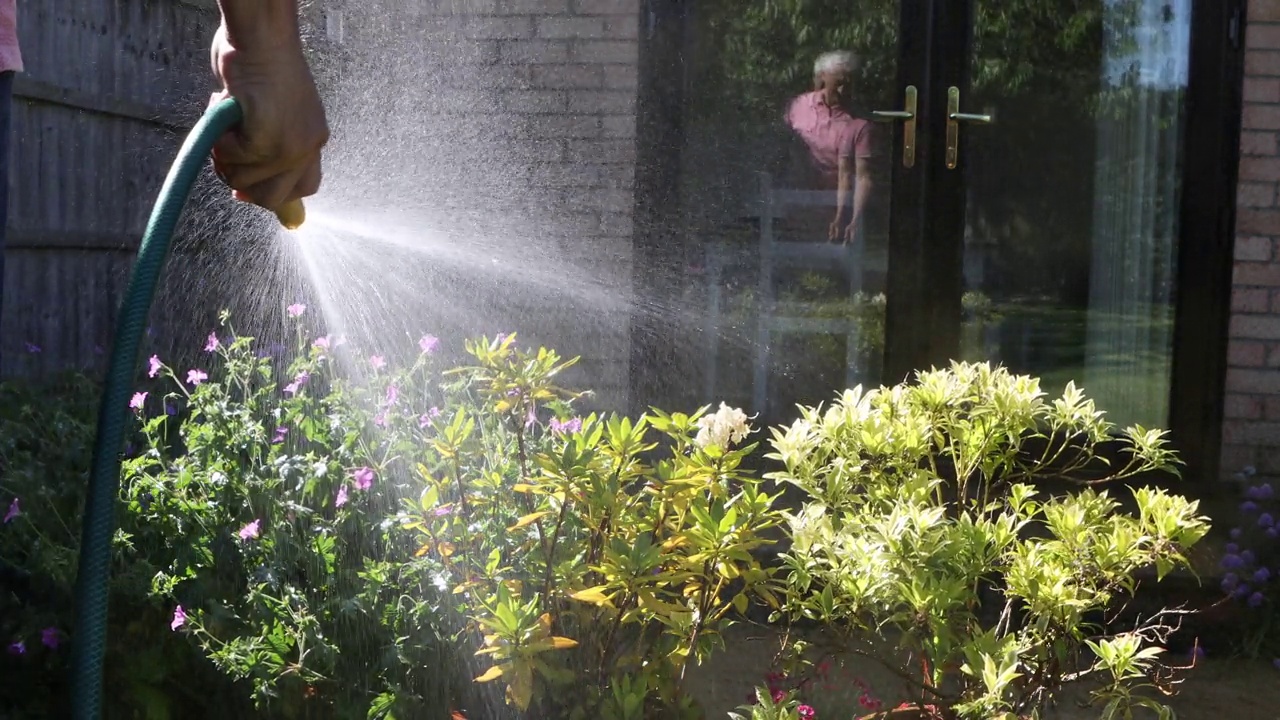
(926, 254)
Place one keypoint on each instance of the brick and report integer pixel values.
(1256, 168)
(533, 101)
(1275, 301)
(607, 51)
(568, 76)
(1255, 195)
(1259, 35)
(1260, 222)
(1244, 353)
(520, 7)
(1270, 407)
(561, 126)
(1261, 117)
(1261, 90)
(571, 27)
(1262, 62)
(1257, 249)
(1255, 327)
(618, 126)
(623, 27)
(1250, 300)
(1258, 143)
(599, 199)
(498, 28)
(1243, 407)
(601, 151)
(1261, 11)
(602, 101)
(606, 7)
(534, 51)
(621, 77)
(1263, 434)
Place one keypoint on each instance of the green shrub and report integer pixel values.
(925, 545)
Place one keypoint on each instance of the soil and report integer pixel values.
(1213, 690)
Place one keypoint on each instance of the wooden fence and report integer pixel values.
(110, 87)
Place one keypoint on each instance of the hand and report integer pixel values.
(274, 156)
(851, 231)
(834, 231)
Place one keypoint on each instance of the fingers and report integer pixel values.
(275, 192)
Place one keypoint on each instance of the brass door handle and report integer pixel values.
(908, 117)
(954, 118)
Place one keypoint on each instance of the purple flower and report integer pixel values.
(341, 499)
(212, 343)
(17, 648)
(425, 420)
(299, 380)
(363, 478)
(1242, 591)
(296, 310)
(153, 366)
(380, 419)
(279, 436)
(1247, 557)
(197, 376)
(1197, 653)
(393, 394)
(1272, 533)
(377, 362)
(1248, 506)
(1256, 600)
(169, 409)
(99, 350)
(1236, 533)
(531, 418)
(429, 344)
(14, 511)
(31, 347)
(51, 637)
(1265, 520)
(442, 510)
(1231, 548)
(1229, 582)
(1276, 663)
(561, 427)
(251, 531)
(1231, 561)
(179, 618)
(1261, 575)
(1264, 491)
(138, 400)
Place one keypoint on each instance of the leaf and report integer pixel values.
(523, 488)
(491, 674)
(422, 550)
(594, 595)
(529, 519)
(520, 685)
(563, 643)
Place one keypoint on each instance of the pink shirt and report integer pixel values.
(831, 134)
(10, 55)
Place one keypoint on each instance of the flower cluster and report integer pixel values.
(1245, 560)
(725, 427)
(781, 686)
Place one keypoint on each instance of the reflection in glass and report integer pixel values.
(1073, 196)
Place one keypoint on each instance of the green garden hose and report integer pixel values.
(94, 573)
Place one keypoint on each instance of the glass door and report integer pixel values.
(1063, 152)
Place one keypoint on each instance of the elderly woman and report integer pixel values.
(839, 144)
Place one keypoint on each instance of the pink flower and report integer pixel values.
(363, 477)
(342, 497)
(380, 419)
(14, 511)
(779, 696)
(195, 377)
(393, 394)
(806, 713)
(429, 344)
(279, 436)
(425, 420)
(296, 310)
(564, 427)
(179, 618)
(51, 637)
(138, 400)
(212, 343)
(377, 362)
(153, 366)
(251, 531)
(298, 381)
(321, 343)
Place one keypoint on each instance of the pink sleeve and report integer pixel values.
(862, 141)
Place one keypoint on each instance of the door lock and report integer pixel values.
(954, 118)
(908, 117)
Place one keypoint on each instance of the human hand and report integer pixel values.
(273, 157)
(834, 230)
(850, 231)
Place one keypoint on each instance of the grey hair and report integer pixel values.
(835, 60)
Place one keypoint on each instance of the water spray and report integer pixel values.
(93, 578)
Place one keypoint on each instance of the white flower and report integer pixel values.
(728, 425)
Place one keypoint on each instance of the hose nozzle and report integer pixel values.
(292, 214)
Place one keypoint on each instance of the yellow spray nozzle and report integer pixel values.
(292, 214)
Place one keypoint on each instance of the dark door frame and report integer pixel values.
(928, 208)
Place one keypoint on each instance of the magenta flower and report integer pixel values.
(296, 310)
(562, 427)
(179, 618)
(51, 637)
(14, 511)
(138, 400)
(377, 362)
(251, 531)
(429, 344)
(212, 343)
(442, 510)
(380, 419)
(363, 477)
(301, 379)
(425, 420)
(341, 499)
(195, 377)
(805, 712)
(17, 648)
(279, 436)
(153, 366)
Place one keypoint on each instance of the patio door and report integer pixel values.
(1023, 189)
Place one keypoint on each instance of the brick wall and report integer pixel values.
(524, 112)
(1251, 433)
